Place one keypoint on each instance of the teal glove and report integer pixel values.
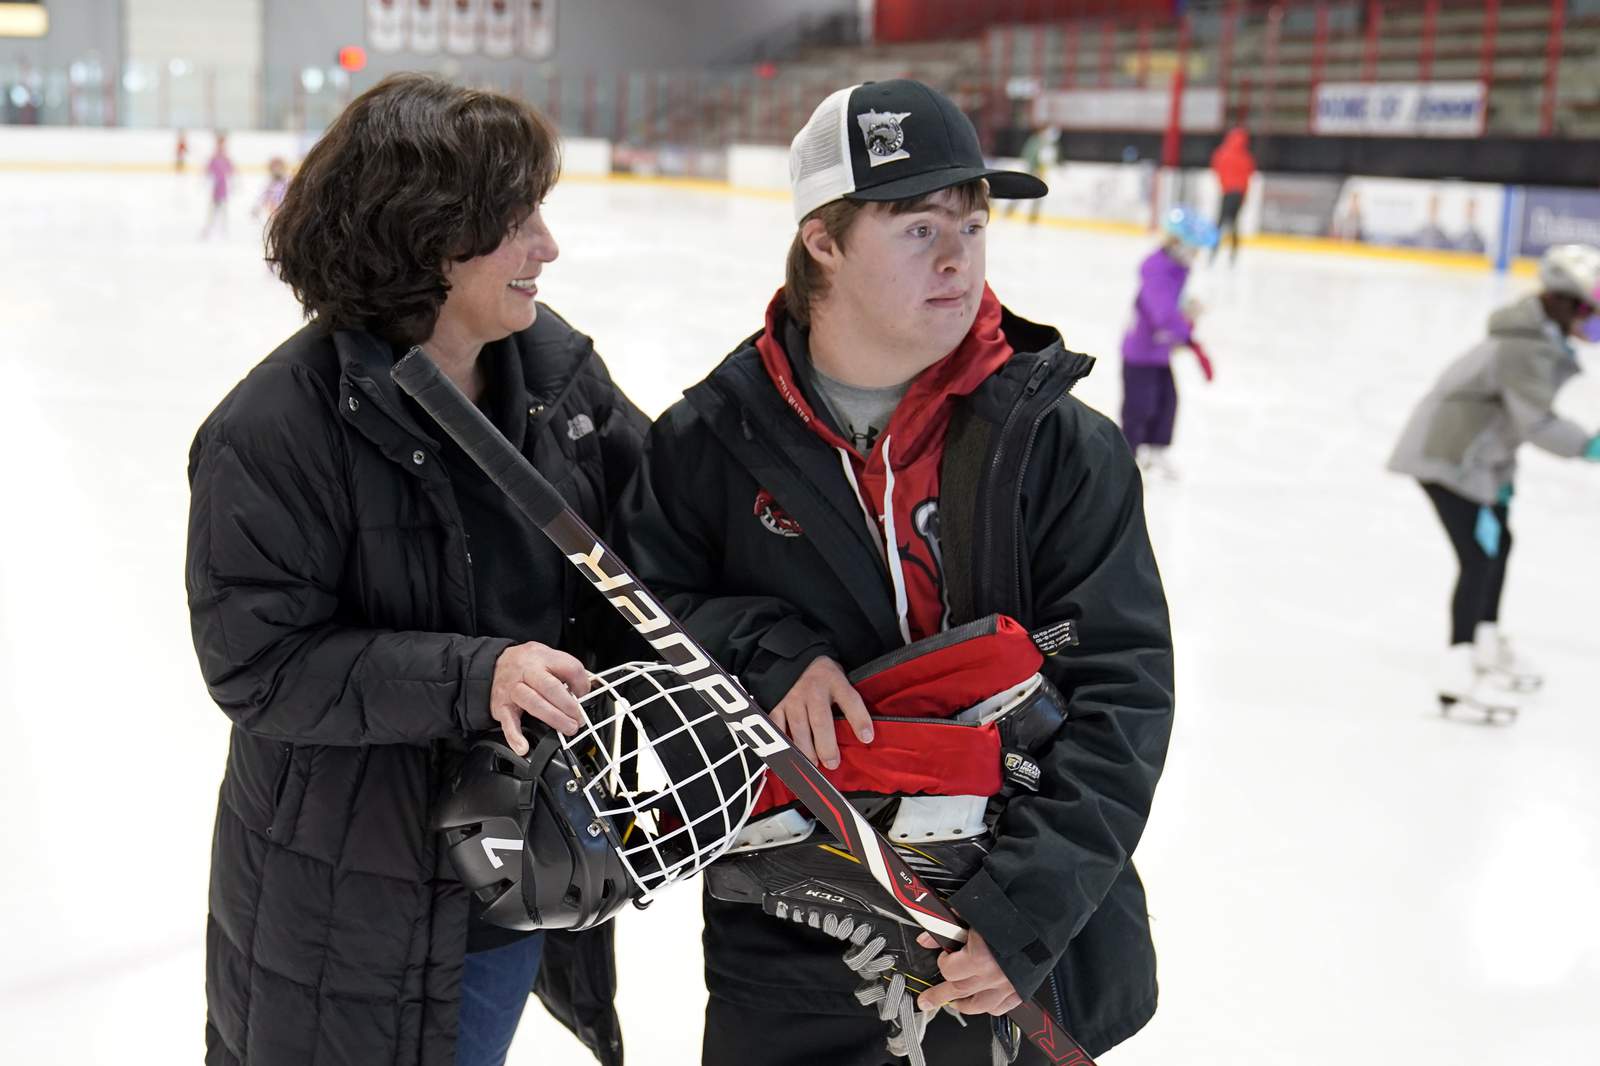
(1487, 533)
(1592, 453)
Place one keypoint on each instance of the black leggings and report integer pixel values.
(1477, 595)
(1228, 222)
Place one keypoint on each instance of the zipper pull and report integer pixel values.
(1036, 378)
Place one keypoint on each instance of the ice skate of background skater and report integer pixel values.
(1163, 319)
(1461, 444)
(845, 487)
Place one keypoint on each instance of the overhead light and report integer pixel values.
(23, 20)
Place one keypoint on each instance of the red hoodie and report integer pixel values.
(1233, 163)
(914, 443)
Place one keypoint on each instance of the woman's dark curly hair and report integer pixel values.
(414, 174)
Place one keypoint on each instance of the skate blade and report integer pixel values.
(1475, 713)
(1519, 686)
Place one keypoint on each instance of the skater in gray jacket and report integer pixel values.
(1461, 444)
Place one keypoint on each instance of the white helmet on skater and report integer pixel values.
(1571, 270)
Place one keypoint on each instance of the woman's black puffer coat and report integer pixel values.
(332, 606)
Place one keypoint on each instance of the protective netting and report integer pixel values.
(666, 777)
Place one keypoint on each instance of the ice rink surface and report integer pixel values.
(1334, 873)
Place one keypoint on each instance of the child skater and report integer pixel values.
(277, 185)
(219, 174)
(1162, 320)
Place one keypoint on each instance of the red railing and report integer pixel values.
(1552, 65)
(1266, 58)
(1295, 46)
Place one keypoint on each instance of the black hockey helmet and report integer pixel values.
(522, 836)
(652, 788)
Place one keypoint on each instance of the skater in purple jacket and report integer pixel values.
(1162, 320)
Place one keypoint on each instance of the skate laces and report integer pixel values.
(870, 958)
(885, 989)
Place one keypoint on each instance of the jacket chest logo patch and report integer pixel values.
(775, 519)
(579, 426)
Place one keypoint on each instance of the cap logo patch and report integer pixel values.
(884, 136)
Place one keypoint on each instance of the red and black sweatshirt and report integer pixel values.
(898, 480)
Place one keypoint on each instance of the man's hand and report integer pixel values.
(806, 714)
(535, 679)
(973, 981)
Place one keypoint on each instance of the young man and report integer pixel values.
(789, 509)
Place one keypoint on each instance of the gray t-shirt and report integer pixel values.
(861, 413)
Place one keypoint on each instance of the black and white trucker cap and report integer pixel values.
(891, 140)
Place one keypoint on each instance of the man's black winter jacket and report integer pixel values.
(1058, 533)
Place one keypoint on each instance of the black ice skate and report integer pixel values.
(799, 878)
(794, 874)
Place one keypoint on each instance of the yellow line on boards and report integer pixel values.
(59, 167)
(1471, 261)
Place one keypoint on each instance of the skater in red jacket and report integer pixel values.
(1234, 166)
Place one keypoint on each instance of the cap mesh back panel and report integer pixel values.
(819, 157)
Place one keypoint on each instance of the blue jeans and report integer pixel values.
(494, 988)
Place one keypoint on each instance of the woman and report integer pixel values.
(1461, 443)
(363, 600)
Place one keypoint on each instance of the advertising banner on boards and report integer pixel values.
(1400, 109)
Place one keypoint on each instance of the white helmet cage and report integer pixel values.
(667, 779)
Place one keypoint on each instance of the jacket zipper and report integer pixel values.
(283, 773)
(922, 720)
(1055, 998)
(466, 551)
(566, 390)
(1035, 379)
(1022, 470)
(282, 784)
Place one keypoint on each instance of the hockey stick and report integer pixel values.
(1200, 353)
(422, 380)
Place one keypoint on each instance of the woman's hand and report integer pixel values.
(541, 681)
